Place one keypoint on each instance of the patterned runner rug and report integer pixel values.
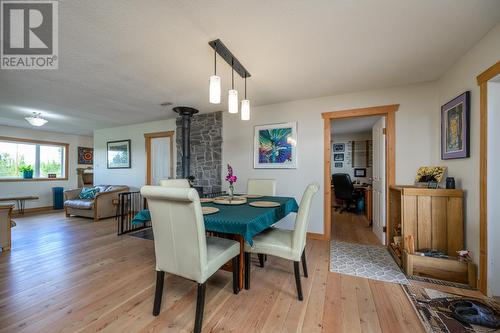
(368, 261)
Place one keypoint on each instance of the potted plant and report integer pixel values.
(27, 171)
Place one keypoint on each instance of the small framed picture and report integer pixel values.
(338, 147)
(85, 155)
(118, 154)
(361, 172)
(338, 157)
(339, 165)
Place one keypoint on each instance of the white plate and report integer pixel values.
(265, 204)
(209, 210)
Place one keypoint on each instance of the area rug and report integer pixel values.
(433, 308)
(368, 261)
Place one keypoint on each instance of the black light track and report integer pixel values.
(225, 54)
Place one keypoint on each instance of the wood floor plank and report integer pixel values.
(73, 275)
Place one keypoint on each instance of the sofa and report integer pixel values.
(102, 206)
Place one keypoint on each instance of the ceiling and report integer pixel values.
(119, 59)
(353, 125)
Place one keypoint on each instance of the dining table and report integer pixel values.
(240, 222)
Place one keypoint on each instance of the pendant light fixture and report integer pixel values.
(36, 119)
(215, 84)
(232, 100)
(245, 105)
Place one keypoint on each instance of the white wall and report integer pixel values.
(347, 164)
(416, 139)
(493, 188)
(458, 79)
(43, 189)
(135, 177)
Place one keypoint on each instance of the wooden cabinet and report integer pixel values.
(434, 217)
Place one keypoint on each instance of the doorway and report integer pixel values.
(489, 259)
(159, 156)
(357, 246)
(358, 178)
(386, 111)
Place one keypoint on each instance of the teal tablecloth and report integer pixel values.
(243, 220)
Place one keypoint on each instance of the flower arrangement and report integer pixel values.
(231, 179)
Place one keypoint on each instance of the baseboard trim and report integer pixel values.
(313, 235)
(32, 210)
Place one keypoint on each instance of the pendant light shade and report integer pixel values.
(245, 105)
(215, 89)
(232, 101)
(232, 98)
(245, 109)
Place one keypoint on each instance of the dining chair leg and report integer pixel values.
(297, 279)
(261, 259)
(200, 304)
(304, 263)
(160, 277)
(247, 270)
(236, 274)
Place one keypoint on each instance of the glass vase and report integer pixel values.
(231, 191)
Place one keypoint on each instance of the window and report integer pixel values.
(44, 158)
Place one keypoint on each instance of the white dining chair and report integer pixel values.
(265, 187)
(181, 245)
(261, 187)
(178, 183)
(287, 244)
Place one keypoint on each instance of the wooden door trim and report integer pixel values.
(482, 81)
(148, 137)
(390, 157)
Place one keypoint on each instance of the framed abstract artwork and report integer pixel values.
(118, 154)
(85, 155)
(455, 121)
(275, 146)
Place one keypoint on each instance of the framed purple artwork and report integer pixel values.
(455, 121)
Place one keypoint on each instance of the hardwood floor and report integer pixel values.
(352, 228)
(74, 275)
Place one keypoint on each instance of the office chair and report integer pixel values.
(344, 190)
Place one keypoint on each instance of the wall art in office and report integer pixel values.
(338, 157)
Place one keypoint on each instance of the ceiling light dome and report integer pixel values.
(36, 119)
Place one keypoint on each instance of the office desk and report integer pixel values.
(367, 193)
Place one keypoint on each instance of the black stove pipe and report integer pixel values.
(186, 113)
